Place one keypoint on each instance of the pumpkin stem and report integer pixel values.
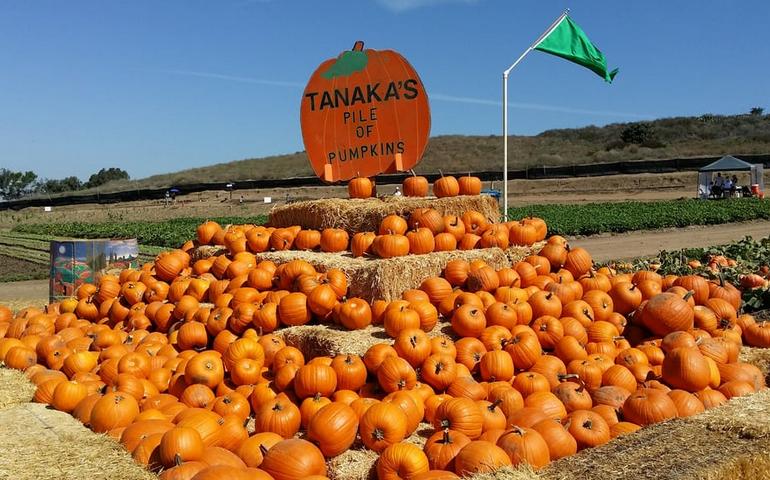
(262, 450)
(358, 46)
(441, 173)
(446, 439)
(177, 459)
(566, 376)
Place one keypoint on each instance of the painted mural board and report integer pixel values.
(75, 262)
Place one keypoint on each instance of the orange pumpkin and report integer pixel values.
(469, 185)
(415, 186)
(360, 187)
(446, 186)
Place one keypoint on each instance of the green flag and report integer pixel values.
(568, 41)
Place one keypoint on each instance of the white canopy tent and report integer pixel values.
(729, 163)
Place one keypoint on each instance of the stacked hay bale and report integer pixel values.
(361, 215)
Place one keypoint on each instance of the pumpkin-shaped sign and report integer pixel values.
(364, 113)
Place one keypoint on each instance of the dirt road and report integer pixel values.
(629, 245)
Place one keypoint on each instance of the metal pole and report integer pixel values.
(505, 146)
(505, 107)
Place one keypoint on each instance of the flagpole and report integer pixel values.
(505, 107)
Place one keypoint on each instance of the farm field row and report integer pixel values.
(35, 248)
(568, 220)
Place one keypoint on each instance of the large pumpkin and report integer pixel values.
(364, 113)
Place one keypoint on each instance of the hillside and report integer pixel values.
(707, 135)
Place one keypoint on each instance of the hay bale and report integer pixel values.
(519, 472)
(354, 464)
(759, 357)
(38, 443)
(14, 388)
(747, 417)
(365, 215)
(206, 251)
(331, 340)
(387, 279)
(683, 448)
(381, 278)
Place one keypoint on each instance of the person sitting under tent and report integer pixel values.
(716, 186)
(727, 187)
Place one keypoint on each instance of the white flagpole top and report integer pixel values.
(536, 42)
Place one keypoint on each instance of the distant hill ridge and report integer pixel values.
(678, 137)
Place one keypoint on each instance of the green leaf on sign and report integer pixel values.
(347, 64)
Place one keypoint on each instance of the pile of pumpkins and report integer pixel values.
(417, 186)
(545, 358)
(424, 231)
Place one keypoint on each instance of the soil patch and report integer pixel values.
(646, 243)
(15, 269)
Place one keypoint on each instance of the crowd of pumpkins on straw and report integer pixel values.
(417, 186)
(539, 361)
(424, 231)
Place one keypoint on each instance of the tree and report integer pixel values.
(758, 111)
(637, 133)
(15, 184)
(68, 184)
(106, 175)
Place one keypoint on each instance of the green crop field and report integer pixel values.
(593, 218)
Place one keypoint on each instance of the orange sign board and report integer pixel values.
(364, 113)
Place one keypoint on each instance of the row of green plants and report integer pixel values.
(169, 233)
(593, 218)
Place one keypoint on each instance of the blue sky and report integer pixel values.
(154, 87)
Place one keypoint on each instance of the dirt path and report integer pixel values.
(22, 294)
(629, 245)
